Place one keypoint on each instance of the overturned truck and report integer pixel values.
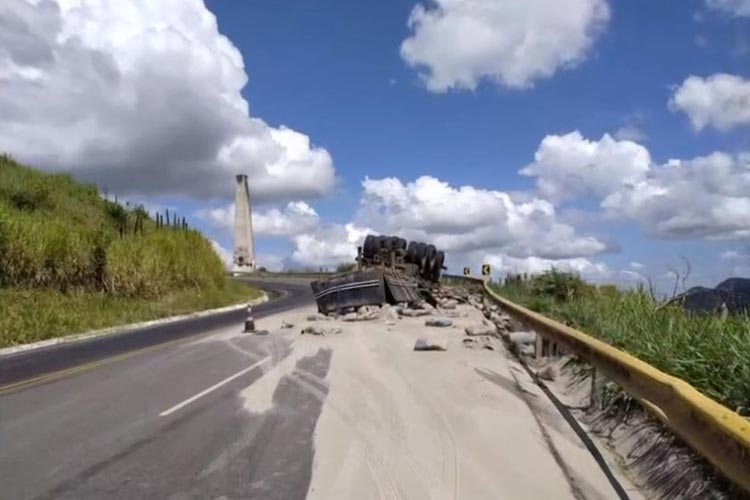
(388, 271)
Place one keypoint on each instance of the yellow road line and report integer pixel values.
(49, 377)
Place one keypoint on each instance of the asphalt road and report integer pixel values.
(30, 364)
(210, 412)
(162, 420)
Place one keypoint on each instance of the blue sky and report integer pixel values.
(335, 72)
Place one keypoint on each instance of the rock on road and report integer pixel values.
(358, 414)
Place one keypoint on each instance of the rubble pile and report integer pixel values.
(485, 332)
(429, 344)
(320, 330)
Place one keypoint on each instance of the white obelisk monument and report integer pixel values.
(244, 247)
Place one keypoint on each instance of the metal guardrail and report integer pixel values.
(712, 430)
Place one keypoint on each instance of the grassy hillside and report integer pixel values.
(81, 261)
(709, 352)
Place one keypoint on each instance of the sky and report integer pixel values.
(605, 137)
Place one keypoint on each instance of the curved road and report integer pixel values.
(154, 414)
(200, 410)
(27, 365)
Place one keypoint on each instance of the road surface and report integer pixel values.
(359, 414)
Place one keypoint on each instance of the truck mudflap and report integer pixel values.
(363, 288)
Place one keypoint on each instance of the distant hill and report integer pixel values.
(732, 293)
(56, 233)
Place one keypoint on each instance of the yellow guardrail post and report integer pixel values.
(712, 430)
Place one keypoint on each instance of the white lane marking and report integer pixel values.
(240, 373)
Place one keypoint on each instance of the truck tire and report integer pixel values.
(368, 249)
(428, 261)
(419, 257)
(437, 266)
(379, 244)
(411, 252)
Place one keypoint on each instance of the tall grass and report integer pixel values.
(60, 241)
(56, 233)
(708, 351)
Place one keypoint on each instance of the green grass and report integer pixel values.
(33, 315)
(71, 260)
(710, 352)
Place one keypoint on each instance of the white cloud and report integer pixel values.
(457, 43)
(628, 275)
(587, 269)
(630, 132)
(462, 219)
(568, 166)
(459, 220)
(737, 257)
(721, 101)
(637, 265)
(330, 244)
(739, 8)
(297, 217)
(706, 197)
(142, 97)
(730, 255)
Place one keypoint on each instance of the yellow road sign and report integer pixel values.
(467, 271)
(486, 269)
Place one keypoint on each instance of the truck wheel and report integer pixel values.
(437, 266)
(411, 253)
(428, 259)
(368, 249)
(419, 257)
(390, 243)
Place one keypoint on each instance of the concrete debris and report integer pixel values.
(389, 313)
(440, 322)
(424, 306)
(261, 332)
(448, 304)
(547, 372)
(523, 342)
(455, 314)
(317, 317)
(451, 293)
(287, 325)
(425, 344)
(502, 321)
(480, 342)
(414, 313)
(522, 338)
(350, 316)
(320, 331)
(481, 329)
(366, 313)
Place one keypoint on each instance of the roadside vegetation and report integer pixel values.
(708, 351)
(71, 260)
